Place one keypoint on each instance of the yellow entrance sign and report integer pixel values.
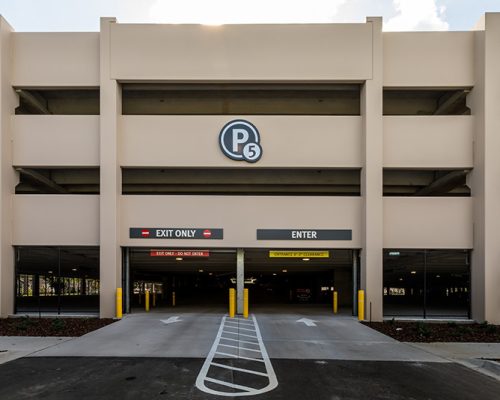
(298, 254)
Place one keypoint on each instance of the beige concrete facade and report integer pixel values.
(371, 142)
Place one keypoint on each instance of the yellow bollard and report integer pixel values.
(119, 306)
(245, 303)
(232, 303)
(335, 302)
(173, 299)
(154, 299)
(361, 305)
(146, 301)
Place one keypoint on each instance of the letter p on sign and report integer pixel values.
(240, 136)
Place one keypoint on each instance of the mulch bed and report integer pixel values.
(26, 326)
(438, 332)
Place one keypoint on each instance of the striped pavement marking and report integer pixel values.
(217, 375)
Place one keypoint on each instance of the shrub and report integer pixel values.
(58, 324)
(423, 330)
(24, 323)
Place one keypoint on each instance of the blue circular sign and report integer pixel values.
(240, 140)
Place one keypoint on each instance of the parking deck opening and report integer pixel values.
(299, 277)
(274, 277)
(179, 277)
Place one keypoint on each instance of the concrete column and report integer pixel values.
(8, 177)
(485, 177)
(372, 180)
(240, 279)
(110, 178)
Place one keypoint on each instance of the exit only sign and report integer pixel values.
(179, 253)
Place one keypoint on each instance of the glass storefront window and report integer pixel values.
(427, 283)
(57, 279)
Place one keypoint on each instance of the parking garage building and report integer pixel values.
(291, 160)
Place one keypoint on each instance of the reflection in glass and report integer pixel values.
(427, 283)
(57, 279)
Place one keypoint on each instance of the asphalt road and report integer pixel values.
(64, 378)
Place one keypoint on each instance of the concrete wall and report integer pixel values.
(429, 59)
(193, 141)
(241, 52)
(428, 223)
(55, 140)
(240, 217)
(55, 59)
(55, 220)
(428, 142)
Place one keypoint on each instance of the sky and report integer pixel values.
(399, 15)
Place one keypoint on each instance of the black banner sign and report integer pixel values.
(176, 233)
(304, 234)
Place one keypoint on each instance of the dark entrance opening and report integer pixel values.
(184, 277)
(292, 277)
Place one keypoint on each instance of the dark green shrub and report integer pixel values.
(58, 324)
(24, 323)
(423, 330)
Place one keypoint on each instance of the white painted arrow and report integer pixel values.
(171, 320)
(307, 321)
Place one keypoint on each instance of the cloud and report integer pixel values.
(244, 11)
(399, 15)
(417, 15)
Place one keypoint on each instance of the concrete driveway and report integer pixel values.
(288, 333)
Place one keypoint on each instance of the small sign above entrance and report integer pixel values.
(179, 253)
(304, 234)
(176, 233)
(298, 254)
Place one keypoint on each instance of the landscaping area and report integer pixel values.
(26, 326)
(438, 332)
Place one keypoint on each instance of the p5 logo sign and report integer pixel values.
(240, 140)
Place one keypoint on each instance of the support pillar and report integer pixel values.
(240, 279)
(110, 178)
(485, 103)
(372, 180)
(8, 177)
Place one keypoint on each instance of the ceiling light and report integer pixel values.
(400, 279)
(305, 259)
(394, 253)
(200, 270)
(438, 276)
(210, 273)
(50, 272)
(178, 258)
(285, 270)
(274, 273)
(73, 269)
(413, 272)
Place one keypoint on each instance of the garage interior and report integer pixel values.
(203, 281)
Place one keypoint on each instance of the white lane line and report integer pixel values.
(239, 347)
(238, 356)
(241, 334)
(228, 384)
(248, 371)
(240, 341)
(239, 390)
(239, 323)
(240, 328)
